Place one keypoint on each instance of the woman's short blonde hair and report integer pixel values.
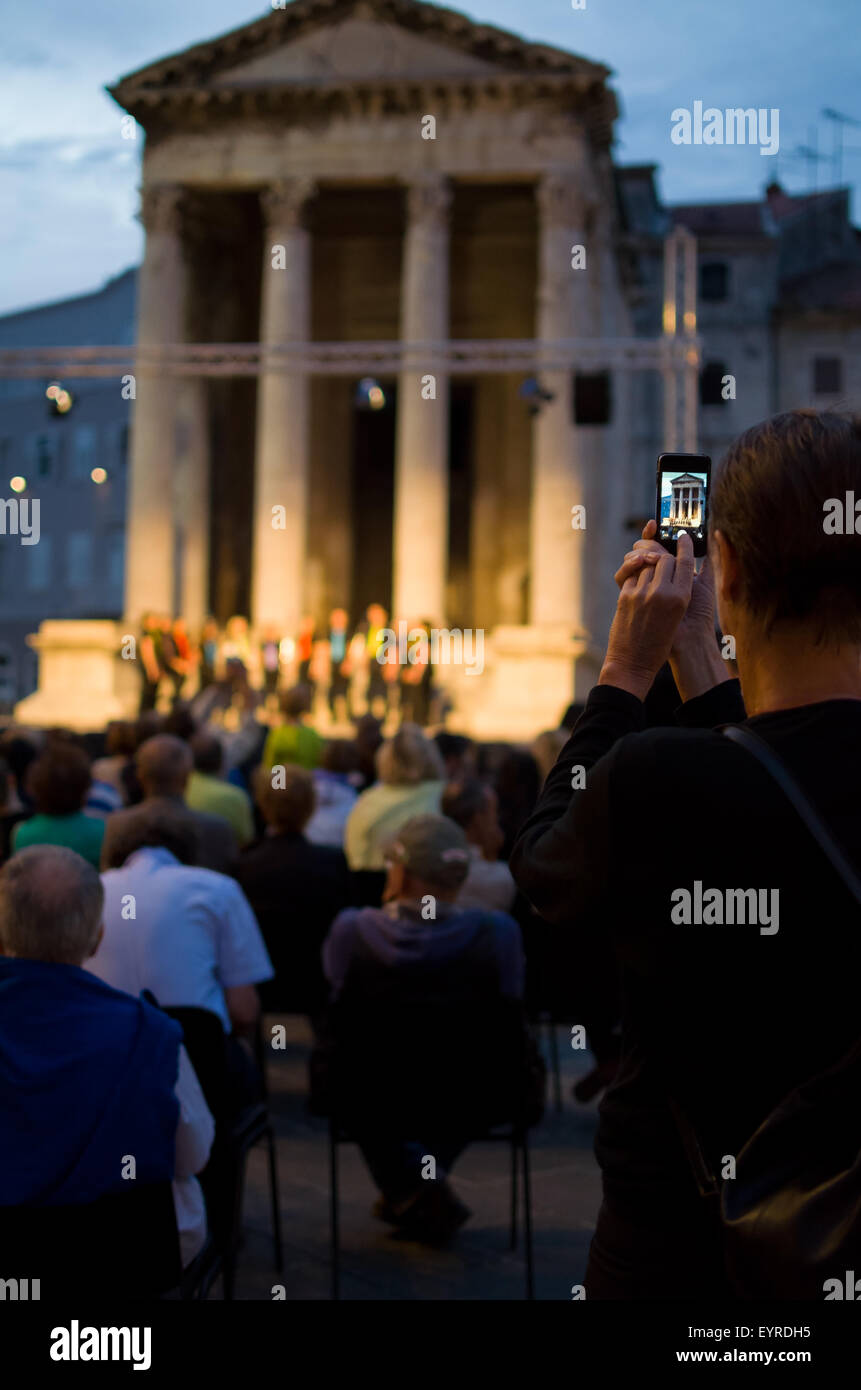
(409, 758)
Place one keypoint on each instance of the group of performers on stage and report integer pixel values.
(355, 668)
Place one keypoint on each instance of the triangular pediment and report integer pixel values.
(357, 48)
(310, 42)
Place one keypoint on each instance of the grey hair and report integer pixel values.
(409, 758)
(51, 904)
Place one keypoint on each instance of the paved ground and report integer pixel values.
(479, 1265)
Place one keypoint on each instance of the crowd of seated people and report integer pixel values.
(237, 875)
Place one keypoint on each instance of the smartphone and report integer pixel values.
(682, 499)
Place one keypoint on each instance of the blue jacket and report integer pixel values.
(87, 1077)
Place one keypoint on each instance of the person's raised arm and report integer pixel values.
(561, 857)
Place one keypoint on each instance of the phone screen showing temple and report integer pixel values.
(682, 499)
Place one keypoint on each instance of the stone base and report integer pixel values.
(530, 677)
(83, 682)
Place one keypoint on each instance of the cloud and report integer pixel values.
(32, 154)
(26, 55)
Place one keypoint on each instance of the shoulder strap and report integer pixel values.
(767, 758)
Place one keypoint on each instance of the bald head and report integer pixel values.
(50, 906)
(163, 765)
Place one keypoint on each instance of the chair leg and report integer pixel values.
(333, 1199)
(527, 1218)
(276, 1205)
(231, 1244)
(513, 1237)
(557, 1076)
(260, 1057)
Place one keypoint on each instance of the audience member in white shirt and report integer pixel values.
(186, 934)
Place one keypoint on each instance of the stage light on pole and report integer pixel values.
(99, 475)
(59, 399)
(534, 394)
(18, 484)
(370, 394)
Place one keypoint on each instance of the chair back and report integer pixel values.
(124, 1245)
(205, 1042)
(432, 1045)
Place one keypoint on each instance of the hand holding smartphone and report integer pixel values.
(681, 499)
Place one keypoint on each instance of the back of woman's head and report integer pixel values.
(409, 758)
(59, 779)
(772, 498)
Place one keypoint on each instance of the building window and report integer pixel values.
(116, 548)
(592, 404)
(711, 383)
(827, 376)
(39, 566)
(79, 559)
(8, 688)
(714, 281)
(83, 451)
(44, 454)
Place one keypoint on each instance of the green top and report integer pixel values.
(219, 798)
(82, 833)
(293, 743)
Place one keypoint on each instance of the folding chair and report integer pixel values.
(124, 1242)
(458, 1060)
(224, 1177)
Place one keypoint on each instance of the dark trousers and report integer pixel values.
(339, 686)
(378, 686)
(675, 1259)
(243, 1088)
(397, 1165)
(415, 703)
(149, 690)
(244, 1083)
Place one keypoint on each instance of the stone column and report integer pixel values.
(160, 320)
(283, 413)
(192, 500)
(421, 468)
(559, 482)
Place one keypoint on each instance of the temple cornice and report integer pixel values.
(188, 107)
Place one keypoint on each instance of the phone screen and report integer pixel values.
(681, 503)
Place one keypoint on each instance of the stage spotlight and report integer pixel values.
(99, 475)
(369, 394)
(18, 484)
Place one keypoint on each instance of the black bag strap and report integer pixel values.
(767, 758)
